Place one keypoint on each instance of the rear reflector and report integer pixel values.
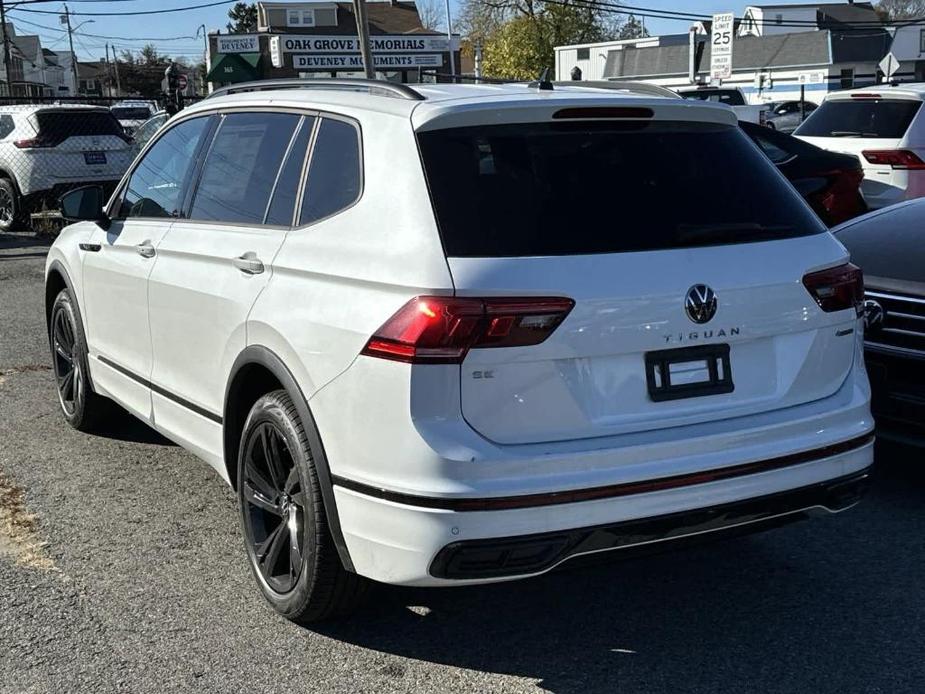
(441, 330)
(837, 288)
(603, 112)
(896, 158)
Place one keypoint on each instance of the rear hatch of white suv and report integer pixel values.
(621, 270)
(884, 127)
(75, 145)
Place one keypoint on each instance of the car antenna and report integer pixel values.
(543, 83)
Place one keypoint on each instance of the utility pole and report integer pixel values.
(449, 41)
(115, 65)
(109, 71)
(70, 38)
(6, 51)
(359, 9)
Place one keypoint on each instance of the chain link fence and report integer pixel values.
(50, 145)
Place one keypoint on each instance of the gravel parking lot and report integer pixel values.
(122, 569)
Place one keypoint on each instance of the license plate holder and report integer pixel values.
(94, 158)
(688, 372)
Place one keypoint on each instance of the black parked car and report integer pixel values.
(888, 246)
(830, 182)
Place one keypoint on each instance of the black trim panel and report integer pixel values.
(529, 554)
(609, 491)
(202, 412)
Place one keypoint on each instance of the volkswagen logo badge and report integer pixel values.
(873, 315)
(700, 303)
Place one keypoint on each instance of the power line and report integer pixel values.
(117, 38)
(129, 14)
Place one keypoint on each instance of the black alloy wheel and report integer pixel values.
(275, 507)
(289, 543)
(67, 363)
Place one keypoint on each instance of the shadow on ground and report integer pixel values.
(733, 616)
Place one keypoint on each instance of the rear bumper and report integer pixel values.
(430, 542)
(512, 556)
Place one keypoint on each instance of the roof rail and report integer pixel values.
(374, 87)
(640, 87)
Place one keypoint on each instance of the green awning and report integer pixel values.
(235, 67)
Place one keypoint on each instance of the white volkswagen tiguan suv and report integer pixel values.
(460, 334)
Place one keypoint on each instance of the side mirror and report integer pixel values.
(84, 204)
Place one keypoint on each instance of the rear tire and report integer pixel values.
(82, 408)
(289, 545)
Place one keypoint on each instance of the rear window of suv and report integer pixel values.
(604, 187)
(57, 126)
(886, 118)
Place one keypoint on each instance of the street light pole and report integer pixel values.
(449, 40)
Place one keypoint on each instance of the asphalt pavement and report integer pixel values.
(122, 569)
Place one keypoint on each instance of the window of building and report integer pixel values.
(282, 207)
(156, 187)
(778, 19)
(241, 167)
(300, 18)
(921, 40)
(583, 53)
(847, 78)
(335, 174)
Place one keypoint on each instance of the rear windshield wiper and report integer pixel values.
(727, 232)
(850, 133)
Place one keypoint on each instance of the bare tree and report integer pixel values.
(432, 14)
(901, 9)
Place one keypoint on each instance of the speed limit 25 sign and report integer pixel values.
(721, 46)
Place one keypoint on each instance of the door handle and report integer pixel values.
(145, 249)
(248, 263)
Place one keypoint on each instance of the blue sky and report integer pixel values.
(128, 31)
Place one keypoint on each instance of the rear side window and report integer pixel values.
(54, 127)
(602, 187)
(6, 125)
(888, 118)
(335, 173)
(241, 167)
(157, 185)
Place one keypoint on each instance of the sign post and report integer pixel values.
(721, 46)
(889, 66)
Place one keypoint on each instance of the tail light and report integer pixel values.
(441, 330)
(895, 158)
(837, 288)
(33, 143)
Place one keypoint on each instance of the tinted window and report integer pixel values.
(6, 125)
(131, 112)
(156, 187)
(730, 97)
(334, 176)
(56, 126)
(282, 206)
(860, 118)
(575, 188)
(146, 131)
(241, 167)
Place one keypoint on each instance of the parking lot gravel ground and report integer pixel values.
(122, 569)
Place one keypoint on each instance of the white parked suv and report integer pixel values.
(884, 126)
(460, 334)
(132, 114)
(47, 150)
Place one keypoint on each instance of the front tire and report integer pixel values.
(10, 205)
(290, 548)
(82, 408)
